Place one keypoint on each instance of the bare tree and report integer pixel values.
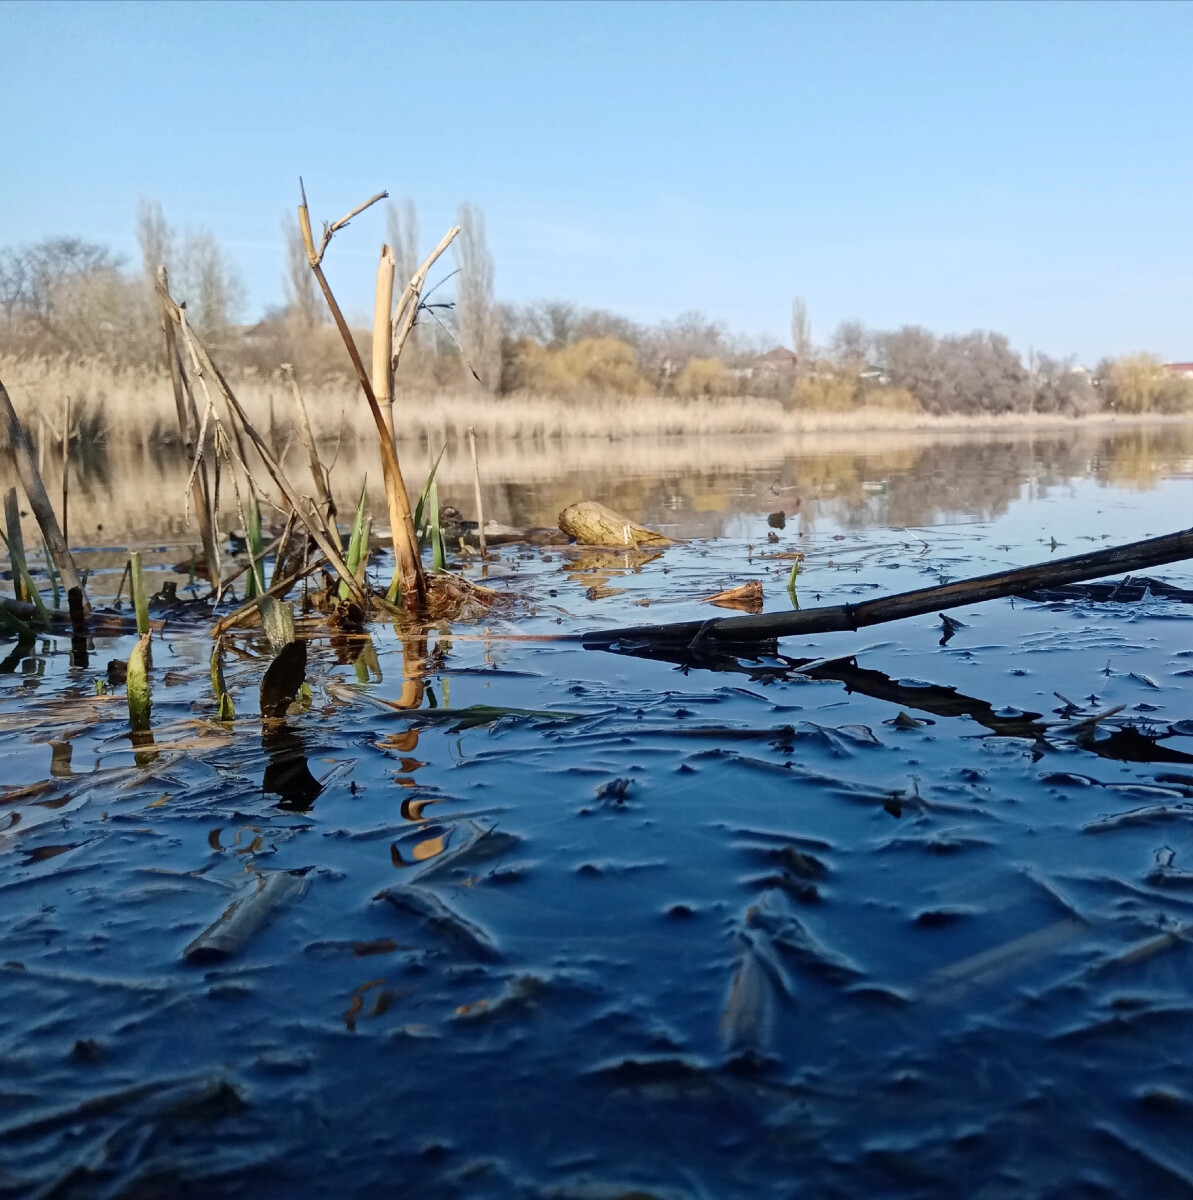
(303, 306)
(852, 345)
(801, 332)
(156, 239)
(210, 286)
(14, 281)
(401, 225)
(476, 314)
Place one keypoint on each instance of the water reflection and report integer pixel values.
(692, 487)
(287, 772)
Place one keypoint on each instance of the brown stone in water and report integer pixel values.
(592, 524)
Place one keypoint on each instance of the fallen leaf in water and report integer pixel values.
(747, 598)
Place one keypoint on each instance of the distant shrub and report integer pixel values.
(598, 364)
(1138, 383)
(826, 391)
(705, 377)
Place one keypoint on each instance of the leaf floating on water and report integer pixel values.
(458, 719)
(283, 678)
(789, 936)
(1165, 873)
(482, 846)
(1147, 815)
(229, 934)
(519, 992)
(747, 598)
(451, 925)
(182, 1096)
(949, 984)
(749, 1014)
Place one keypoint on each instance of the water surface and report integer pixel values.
(911, 923)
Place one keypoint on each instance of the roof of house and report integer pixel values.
(1178, 366)
(780, 354)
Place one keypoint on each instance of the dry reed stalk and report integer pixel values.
(272, 548)
(20, 451)
(65, 467)
(480, 505)
(401, 520)
(383, 338)
(306, 509)
(193, 440)
(319, 472)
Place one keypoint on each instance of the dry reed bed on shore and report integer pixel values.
(137, 408)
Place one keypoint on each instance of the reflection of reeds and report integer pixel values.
(136, 408)
(134, 497)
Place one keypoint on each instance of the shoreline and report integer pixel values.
(130, 408)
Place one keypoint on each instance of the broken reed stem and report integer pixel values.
(20, 452)
(383, 333)
(407, 310)
(414, 584)
(480, 504)
(65, 467)
(319, 472)
(194, 442)
(308, 513)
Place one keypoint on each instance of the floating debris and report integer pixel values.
(244, 917)
(421, 903)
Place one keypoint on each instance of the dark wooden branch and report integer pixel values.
(1134, 556)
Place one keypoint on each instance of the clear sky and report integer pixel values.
(1021, 167)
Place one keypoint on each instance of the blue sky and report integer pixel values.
(1021, 167)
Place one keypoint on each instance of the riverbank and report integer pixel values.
(137, 408)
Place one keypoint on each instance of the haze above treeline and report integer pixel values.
(69, 299)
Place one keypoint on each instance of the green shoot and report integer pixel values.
(438, 554)
(358, 543)
(255, 585)
(20, 572)
(53, 574)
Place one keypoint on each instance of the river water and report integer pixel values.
(912, 922)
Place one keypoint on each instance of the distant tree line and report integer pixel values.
(69, 298)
